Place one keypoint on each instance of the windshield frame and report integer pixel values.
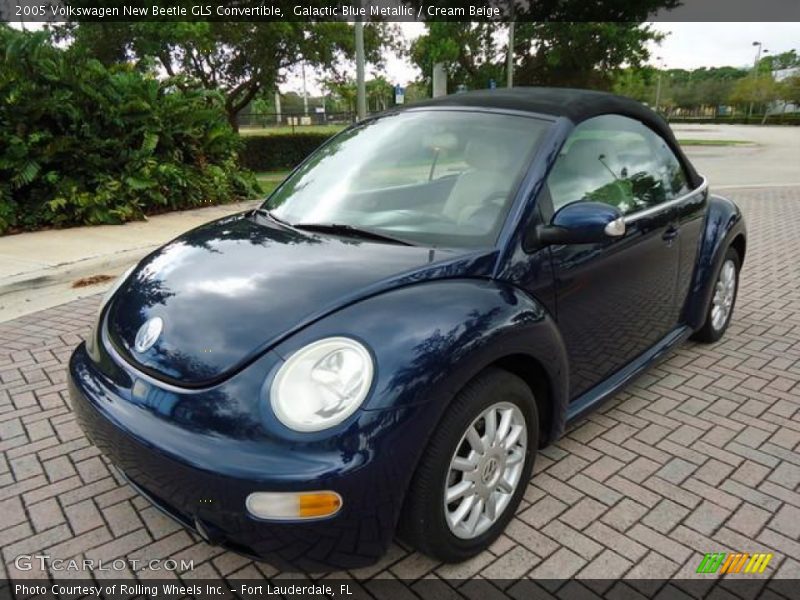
(513, 206)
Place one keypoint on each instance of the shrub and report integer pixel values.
(86, 144)
(282, 151)
(773, 119)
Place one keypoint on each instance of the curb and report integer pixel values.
(46, 287)
(69, 272)
(31, 292)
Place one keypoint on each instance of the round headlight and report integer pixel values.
(321, 384)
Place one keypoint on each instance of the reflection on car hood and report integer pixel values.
(230, 290)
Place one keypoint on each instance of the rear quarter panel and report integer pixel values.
(723, 224)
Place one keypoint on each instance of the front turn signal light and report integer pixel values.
(291, 506)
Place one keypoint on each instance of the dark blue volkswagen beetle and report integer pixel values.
(427, 300)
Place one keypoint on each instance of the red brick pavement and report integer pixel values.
(702, 454)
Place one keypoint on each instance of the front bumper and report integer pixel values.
(202, 479)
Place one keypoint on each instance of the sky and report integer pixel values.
(687, 46)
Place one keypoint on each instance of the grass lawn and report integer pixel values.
(269, 180)
(284, 129)
(694, 142)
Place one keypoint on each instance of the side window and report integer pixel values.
(619, 161)
(670, 169)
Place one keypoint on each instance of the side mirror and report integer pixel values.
(582, 223)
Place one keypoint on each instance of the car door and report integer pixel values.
(617, 298)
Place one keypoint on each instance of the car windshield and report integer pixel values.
(435, 178)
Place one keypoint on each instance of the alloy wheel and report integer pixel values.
(485, 470)
(724, 294)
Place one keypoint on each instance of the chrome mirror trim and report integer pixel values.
(615, 228)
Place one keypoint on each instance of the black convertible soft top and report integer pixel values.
(576, 105)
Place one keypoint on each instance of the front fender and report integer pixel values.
(723, 224)
(429, 339)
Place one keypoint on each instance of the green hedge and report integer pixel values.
(787, 119)
(81, 143)
(282, 151)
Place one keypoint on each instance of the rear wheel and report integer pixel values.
(723, 300)
(475, 469)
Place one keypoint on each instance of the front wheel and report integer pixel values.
(474, 471)
(725, 288)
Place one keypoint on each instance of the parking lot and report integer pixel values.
(701, 454)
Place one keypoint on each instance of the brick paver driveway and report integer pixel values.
(701, 455)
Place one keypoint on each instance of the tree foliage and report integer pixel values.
(680, 89)
(343, 93)
(756, 90)
(83, 143)
(579, 54)
(790, 90)
(239, 59)
(557, 42)
(637, 83)
(584, 54)
(469, 51)
(777, 62)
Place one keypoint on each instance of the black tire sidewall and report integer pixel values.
(708, 333)
(432, 534)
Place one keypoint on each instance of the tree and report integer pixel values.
(380, 93)
(689, 90)
(469, 52)
(759, 91)
(343, 91)
(789, 90)
(638, 84)
(292, 103)
(777, 62)
(714, 92)
(548, 50)
(546, 53)
(687, 97)
(415, 92)
(579, 54)
(237, 58)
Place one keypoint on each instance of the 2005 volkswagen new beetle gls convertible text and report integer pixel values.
(381, 349)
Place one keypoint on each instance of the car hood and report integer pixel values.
(230, 290)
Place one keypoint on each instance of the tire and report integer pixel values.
(715, 325)
(424, 522)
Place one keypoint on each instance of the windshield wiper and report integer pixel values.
(351, 230)
(270, 215)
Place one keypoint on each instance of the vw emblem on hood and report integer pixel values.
(148, 334)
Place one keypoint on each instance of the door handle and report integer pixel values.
(670, 234)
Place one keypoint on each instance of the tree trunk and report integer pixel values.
(232, 118)
(237, 100)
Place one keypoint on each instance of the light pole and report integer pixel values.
(361, 87)
(510, 65)
(658, 82)
(510, 58)
(755, 75)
